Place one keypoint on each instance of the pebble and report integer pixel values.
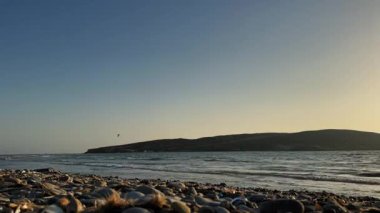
(100, 183)
(192, 191)
(219, 209)
(107, 194)
(157, 200)
(62, 202)
(179, 186)
(133, 195)
(66, 178)
(136, 210)
(206, 209)
(334, 208)
(293, 206)
(53, 189)
(180, 207)
(74, 206)
(52, 209)
(239, 201)
(258, 198)
(206, 201)
(147, 190)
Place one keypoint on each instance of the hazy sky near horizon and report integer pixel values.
(74, 73)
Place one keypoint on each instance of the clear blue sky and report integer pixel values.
(73, 74)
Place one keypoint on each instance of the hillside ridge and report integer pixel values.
(310, 140)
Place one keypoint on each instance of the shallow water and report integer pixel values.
(342, 172)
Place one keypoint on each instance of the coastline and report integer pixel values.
(48, 190)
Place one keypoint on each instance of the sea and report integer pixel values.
(352, 173)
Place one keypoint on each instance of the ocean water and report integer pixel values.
(343, 172)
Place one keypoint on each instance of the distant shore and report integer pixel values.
(318, 140)
(48, 190)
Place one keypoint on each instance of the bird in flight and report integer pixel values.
(118, 135)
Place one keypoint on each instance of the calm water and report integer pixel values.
(351, 173)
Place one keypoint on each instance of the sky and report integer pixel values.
(74, 74)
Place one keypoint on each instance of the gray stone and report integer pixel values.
(133, 195)
(147, 190)
(205, 201)
(257, 198)
(107, 193)
(52, 209)
(177, 185)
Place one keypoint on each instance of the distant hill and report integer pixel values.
(319, 140)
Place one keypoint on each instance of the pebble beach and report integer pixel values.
(51, 191)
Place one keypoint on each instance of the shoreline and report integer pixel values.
(49, 190)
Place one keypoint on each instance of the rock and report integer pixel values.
(206, 209)
(4, 209)
(353, 207)
(157, 200)
(257, 198)
(371, 210)
(45, 170)
(66, 178)
(212, 195)
(107, 194)
(243, 208)
(100, 183)
(16, 181)
(4, 199)
(334, 206)
(52, 209)
(205, 201)
(310, 208)
(227, 205)
(239, 201)
(147, 190)
(376, 204)
(180, 207)
(22, 204)
(293, 206)
(192, 191)
(74, 206)
(136, 210)
(179, 186)
(133, 195)
(62, 202)
(53, 189)
(78, 180)
(100, 202)
(219, 209)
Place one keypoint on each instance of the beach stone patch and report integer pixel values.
(52, 191)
